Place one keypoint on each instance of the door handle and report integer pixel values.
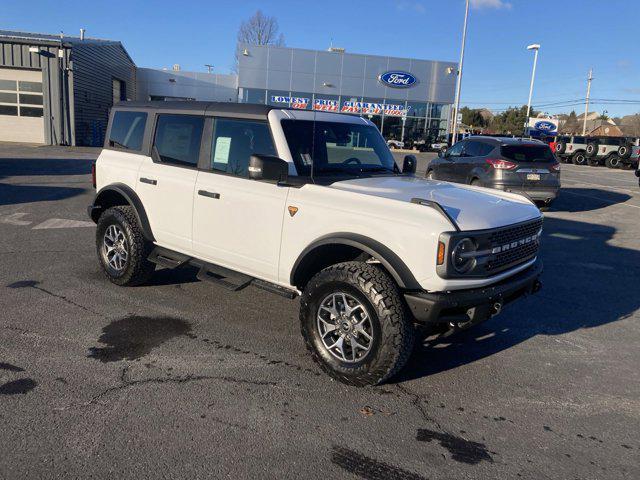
(204, 193)
(150, 181)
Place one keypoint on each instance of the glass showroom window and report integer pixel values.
(253, 95)
(417, 109)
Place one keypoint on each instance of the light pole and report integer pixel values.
(209, 67)
(536, 48)
(454, 130)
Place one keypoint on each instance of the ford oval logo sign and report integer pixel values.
(544, 126)
(398, 79)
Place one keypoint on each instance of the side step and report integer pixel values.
(224, 277)
(167, 258)
(229, 279)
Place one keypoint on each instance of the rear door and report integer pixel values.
(166, 180)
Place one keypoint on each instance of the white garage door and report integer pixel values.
(21, 117)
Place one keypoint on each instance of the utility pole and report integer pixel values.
(454, 131)
(209, 67)
(586, 107)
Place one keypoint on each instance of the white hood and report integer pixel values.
(473, 208)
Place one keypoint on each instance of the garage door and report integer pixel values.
(21, 118)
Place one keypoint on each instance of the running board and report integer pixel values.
(208, 272)
(224, 277)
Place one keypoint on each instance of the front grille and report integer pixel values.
(515, 253)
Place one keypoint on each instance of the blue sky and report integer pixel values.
(575, 35)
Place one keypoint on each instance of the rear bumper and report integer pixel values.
(541, 193)
(474, 305)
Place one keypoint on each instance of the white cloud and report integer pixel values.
(497, 4)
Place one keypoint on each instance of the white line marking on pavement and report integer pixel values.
(62, 223)
(14, 219)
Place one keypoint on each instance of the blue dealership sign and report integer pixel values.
(544, 126)
(398, 79)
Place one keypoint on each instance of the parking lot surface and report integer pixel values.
(183, 379)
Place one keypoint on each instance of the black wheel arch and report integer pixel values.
(121, 194)
(343, 246)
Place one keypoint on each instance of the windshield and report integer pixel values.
(334, 148)
(527, 153)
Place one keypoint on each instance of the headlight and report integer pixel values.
(463, 255)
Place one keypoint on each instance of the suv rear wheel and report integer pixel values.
(122, 249)
(355, 325)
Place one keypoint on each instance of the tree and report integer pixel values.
(472, 117)
(512, 120)
(260, 29)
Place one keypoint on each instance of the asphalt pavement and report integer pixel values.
(183, 379)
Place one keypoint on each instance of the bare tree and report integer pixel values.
(260, 29)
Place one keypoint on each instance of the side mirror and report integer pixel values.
(410, 163)
(268, 168)
(442, 153)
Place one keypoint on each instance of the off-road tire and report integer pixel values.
(137, 269)
(592, 150)
(393, 328)
(594, 162)
(579, 158)
(627, 165)
(561, 147)
(613, 161)
(625, 151)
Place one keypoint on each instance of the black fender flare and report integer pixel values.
(387, 257)
(132, 199)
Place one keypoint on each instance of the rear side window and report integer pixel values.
(127, 130)
(234, 141)
(178, 138)
(477, 149)
(527, 153)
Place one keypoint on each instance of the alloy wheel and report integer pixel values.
(345, 327)
(115, 248)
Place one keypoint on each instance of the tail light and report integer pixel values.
(93, 174)
(555, 167)
(501, 164)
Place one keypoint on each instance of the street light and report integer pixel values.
(536, 48)
(459, 84)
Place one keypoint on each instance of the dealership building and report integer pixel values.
(58, 90)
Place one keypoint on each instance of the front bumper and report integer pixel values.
(468, 307)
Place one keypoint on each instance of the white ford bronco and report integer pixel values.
(311, 204)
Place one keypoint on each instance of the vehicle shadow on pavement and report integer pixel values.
(14, 193)
(15, 167)
(581, 290)
(586, 199)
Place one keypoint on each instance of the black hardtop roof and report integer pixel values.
(252, 109)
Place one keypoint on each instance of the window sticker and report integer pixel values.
(223, 145)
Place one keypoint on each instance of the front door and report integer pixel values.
(237, 222)
(449, 164)
(165, 182)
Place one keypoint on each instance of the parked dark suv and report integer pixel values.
(516, 165)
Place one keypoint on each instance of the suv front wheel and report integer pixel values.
(122, 249)
(354, 323)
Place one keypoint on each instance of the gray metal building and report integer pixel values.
(58, 90)
(414, 103)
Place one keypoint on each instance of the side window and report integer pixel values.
(456, 150)
(177, 139)
(485, 149)
(472, 149)
(127, 130)
(234, 141)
